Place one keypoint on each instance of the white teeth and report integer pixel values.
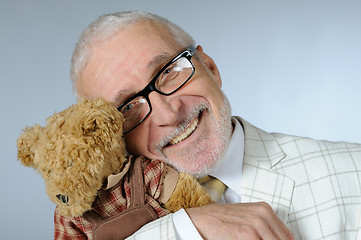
(186, 133)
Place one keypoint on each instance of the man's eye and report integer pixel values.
(127, 107)
(167, 71)
(169, 74)
(134, 106)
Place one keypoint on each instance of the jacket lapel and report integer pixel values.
(259, 181)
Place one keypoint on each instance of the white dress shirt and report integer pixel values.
(229, 171)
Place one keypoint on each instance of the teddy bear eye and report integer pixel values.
(62, 198)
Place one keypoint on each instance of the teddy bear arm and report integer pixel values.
(187, 193)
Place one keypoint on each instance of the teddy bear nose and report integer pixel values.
(64, 199)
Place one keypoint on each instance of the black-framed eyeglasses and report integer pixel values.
(172, 77)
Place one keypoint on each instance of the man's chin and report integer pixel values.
(192, 163)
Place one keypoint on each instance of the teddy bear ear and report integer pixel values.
(25, 144)
(98, 115)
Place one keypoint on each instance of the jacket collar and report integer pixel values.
(262, 149)
(260, 179)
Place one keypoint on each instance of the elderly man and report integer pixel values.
(169, 91)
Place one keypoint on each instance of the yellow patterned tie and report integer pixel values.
(214, 187)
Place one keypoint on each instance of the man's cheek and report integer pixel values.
(132, 145)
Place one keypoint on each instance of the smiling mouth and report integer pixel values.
(186, 133)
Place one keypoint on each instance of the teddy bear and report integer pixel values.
(81, 155)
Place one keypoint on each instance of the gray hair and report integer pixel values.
(109, 24)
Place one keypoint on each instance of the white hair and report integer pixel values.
(109, 24)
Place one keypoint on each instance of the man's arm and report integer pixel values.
(223, 221)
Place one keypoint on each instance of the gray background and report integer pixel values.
(287, 66)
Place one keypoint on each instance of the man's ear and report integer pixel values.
(26, 143)
(210, 65)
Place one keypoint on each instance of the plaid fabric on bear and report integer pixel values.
(113, 201)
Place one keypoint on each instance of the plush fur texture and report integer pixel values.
(187, 193)
(71, 155)
(79, 148)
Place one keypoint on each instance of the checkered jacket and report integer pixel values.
(313, 186)
(113, 201)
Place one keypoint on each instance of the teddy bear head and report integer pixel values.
(75, 152)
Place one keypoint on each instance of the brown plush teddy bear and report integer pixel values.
(81, 155)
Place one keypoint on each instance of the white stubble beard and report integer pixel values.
(200, 158)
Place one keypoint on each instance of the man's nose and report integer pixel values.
(165, 109)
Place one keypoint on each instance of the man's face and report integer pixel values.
(189, 129)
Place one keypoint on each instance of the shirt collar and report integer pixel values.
(229, 169)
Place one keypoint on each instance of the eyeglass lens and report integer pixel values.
(168, 82)
(174, 76)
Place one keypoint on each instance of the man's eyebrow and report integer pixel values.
(159, 59)
(120, 97)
